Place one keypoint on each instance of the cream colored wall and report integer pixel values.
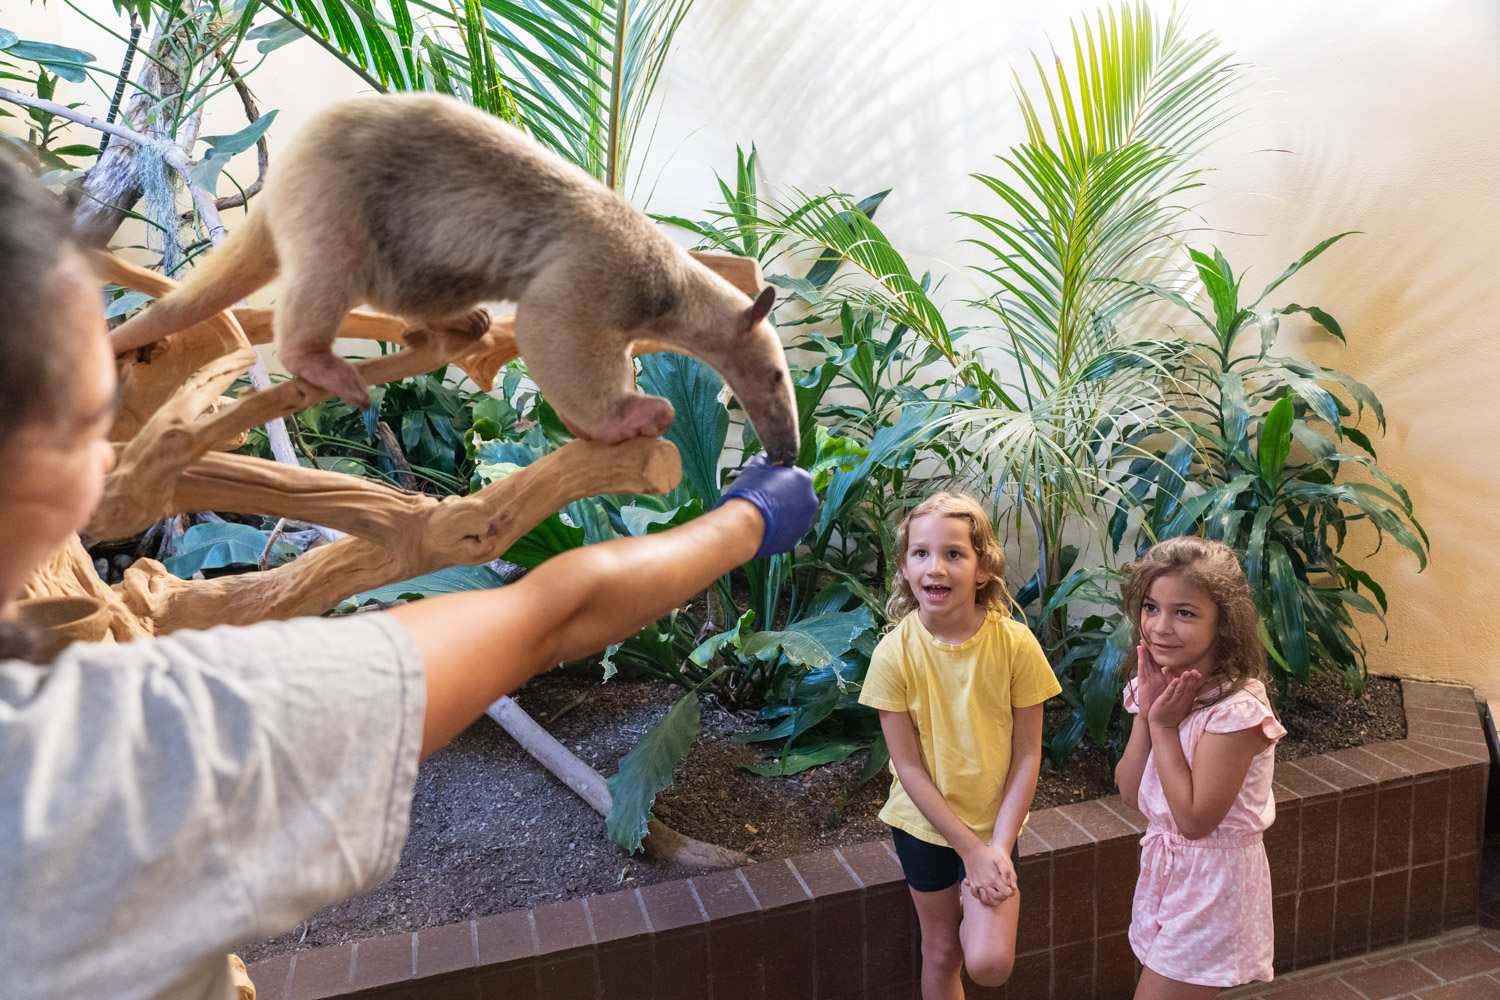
(1389, 112)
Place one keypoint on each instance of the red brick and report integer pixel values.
(1388, 908)
(625, 969)
(1429, 831)
(789, 965)
(824, 874)
(680, 966)
(1326, 988)
(723, 895)
(1389, 979)
(1098, 821)
(1034, 926)
(891, 929)
(1130, 817)
(1351, 918)
(1073, 896)
(1319, 843)
(1283, 843)
(1371, 765)
(270, 977)
(1393, 827)
(617, 916)
(1032, 976)
(321, 972)
(874, 863)
(1057, 831)
(1461, 890)
(735, 947)
(1424, 908)
(505, 937)
(1284, 917)
(1073, 970)
(1314, 926)
(383, 960)
(1478, 988)
(1399, 753)
(508, 982)
(567, 974)
(1459, 961)
(1356, 836)
(1115, 968)
(1119, 869)
(561, 927)
(839, 936)
(444, 949)
(1466, 810)
(774, 885)
(669, 906)
(1327, 769)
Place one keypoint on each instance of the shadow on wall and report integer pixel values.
(1418, 300)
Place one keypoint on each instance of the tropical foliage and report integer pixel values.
(1264, 441)
(1074, 412)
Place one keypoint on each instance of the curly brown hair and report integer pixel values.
(994, 594)
(1239, 656)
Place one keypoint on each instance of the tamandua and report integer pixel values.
(424, 207)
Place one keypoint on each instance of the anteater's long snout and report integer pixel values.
(762, 383)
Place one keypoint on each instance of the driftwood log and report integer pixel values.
(174, 424)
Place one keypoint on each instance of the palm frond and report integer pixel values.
(577, 75)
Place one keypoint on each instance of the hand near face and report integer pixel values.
(1150, 680)
(1174, 703)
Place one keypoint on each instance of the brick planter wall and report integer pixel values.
(1371, 847)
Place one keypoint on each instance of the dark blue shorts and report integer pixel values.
(932, 867)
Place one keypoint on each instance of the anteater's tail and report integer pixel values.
(243, 263)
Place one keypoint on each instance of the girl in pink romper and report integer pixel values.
(1198, 765)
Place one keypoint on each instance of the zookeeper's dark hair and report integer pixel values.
(35, 237)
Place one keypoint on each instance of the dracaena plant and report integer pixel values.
(1261, 462)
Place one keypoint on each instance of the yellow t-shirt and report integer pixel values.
(960, 698)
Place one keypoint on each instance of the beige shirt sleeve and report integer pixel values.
(164, 801)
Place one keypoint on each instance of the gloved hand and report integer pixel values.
(783, 495)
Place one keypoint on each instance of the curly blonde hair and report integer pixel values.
(994, 594)
(1238, 654)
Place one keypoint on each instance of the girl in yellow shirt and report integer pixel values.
(959, 685)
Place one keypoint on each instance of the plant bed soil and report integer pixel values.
(491, 830)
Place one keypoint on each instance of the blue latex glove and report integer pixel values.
(783, 495)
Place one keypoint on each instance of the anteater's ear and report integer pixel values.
(762, 306)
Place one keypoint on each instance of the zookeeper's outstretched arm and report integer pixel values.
(479, 646)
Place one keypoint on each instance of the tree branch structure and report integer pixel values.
(174, 422)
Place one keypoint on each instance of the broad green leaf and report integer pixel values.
(1301, 262)
(1324, 320)
(701, 425)
(643, 521)
(215, 545)
(273, 35)
(1101, 688)
(68, 63)
(812, 642)
(646, 770)
(205, 173)
(804, 757)
(1288, 623)
(1275, 439)
(453, 580)
(543, 542)
(1234, 405)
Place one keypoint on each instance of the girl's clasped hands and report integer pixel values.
(989, 875)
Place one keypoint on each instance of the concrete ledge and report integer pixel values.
(1372, 846)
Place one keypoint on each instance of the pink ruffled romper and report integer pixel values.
(1202, 911)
